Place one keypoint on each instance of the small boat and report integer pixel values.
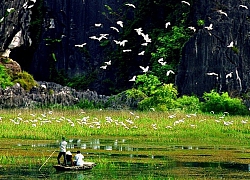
(85, 166)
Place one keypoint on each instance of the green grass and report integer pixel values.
(159, 127)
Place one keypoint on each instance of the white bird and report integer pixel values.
(144, 44)
(1, 20)
(141, 53)
(144, 69)
(94, 37)
(170, 71)
(130, 5)
(114, 28)
(146, 38)
(210, 27)
(162, 62)
(231, 44)
(133, 78)
(121, 43)
(243, 6)
(126, 50)
(120, 23)
(167, 24)
(9, 10)
(108, 62)
(104, 67)
(185, 2)
(192, 28)
(229, 75)
(98, 25)
(80, 45)
(212, 74)
(221, 12)
(139, 31)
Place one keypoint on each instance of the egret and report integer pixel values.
(167, 24)
(133, 78)
(114, 28)
(210, 27)
(120, 23)
(212, 74)
(126, 50)
(108, 62)
(141, 53)
(243, 6)
(98, 25)
(144, 69)
(104, 67)
(231, 44)
(192, 28)
(185, 2)
(139, 31)
(170, 71)
(221, 12)
(80, 45)
(130, 5)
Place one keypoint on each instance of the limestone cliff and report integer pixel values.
(218, 57)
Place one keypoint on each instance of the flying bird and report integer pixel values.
(185, 2)
(98, 25)
(146, 38)
(120, 23)
(130, 5)
(229, 75)
(104, 67)
(243, 6)
(167, 24)
(144, 69)
(141, 53)
(133, 78)
(170, 71)
(126, 50)
(221, 12)
(108, 62)
(210, 27)
(80, 45)
(212, 74)
(144, 44)
(114, 28)
(192, 28)
(139, 31)
(231, 44)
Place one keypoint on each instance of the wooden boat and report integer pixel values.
(85, 166)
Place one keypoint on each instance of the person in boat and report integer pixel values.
(63, 145)
(79, 159)
(69, 159)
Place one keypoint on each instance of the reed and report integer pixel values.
(163, 127)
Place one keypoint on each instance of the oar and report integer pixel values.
(47, 160)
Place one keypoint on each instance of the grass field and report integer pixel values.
(164, 127)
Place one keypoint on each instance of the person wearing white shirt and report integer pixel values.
(79, 159)
(63, 145)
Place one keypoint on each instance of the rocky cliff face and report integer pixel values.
(42, 35)
(218, 57)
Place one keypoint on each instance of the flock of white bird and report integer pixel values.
(132, 122)
(122, 43)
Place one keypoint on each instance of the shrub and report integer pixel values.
(5, 79)
(25, 79)
(213, 101)
(162, 99)
(188, 103)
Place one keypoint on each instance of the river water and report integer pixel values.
(119, 158)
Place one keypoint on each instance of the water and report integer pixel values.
(128, 159)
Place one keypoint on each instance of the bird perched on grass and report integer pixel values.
(167, 24)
